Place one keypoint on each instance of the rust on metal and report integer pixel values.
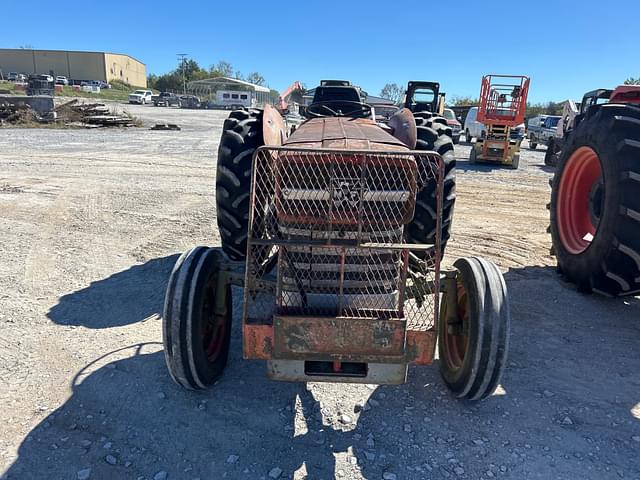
(257, 341)
(421, 346)
(273, 129)
(404, 127)
(338, 338)
(343, 133)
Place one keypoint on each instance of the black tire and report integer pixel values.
(473, 155)
(551, 155)
(472, 365)
(189, 309)
(422, 117)
(423, 226)
(456, 139)
(241, 136)
(610, 264)
(515, 162)
(532, 144)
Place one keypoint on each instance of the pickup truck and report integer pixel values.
(541, 129)
(167, 99)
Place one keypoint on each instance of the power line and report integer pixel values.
(182, 57)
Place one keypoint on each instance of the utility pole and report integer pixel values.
(182, 57)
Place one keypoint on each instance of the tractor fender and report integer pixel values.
(404, 127)
(273, 129)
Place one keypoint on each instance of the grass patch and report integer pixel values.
(118, 93)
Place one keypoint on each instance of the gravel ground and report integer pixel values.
(92, 222)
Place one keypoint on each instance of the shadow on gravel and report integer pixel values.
(569, 409)
(465, 166)
(123, 298)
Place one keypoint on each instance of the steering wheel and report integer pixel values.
(316, 110)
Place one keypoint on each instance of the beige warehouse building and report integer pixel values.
(75, 65)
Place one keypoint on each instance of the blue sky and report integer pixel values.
(566, 47)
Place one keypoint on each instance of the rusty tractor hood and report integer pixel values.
(343, 133)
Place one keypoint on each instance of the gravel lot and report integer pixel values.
(92, 222)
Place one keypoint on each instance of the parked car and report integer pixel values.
(189, 101)
(166, 99)
(474, 129)
(454, 123)
(141, 96)
(60, 80)
(12, 76)
(541, 129)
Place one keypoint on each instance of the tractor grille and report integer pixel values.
(333, 223)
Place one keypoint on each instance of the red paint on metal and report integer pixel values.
(349, 339)
(404, 127)
(343, 133)
(421, 347)
(503, 99)
(575, 227)
(273, 129)
(257, 341)
(626, 94)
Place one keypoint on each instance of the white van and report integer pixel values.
(472, 127)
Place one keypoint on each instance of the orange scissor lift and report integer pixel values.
(503, 101)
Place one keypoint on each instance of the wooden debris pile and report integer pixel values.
(92, 115)
(18, 114)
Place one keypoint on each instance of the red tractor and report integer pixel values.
(336, 235)
(595, 197)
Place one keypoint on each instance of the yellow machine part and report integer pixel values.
(492, 147)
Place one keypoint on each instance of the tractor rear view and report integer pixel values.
(595, 197)
(503, 101)
(336, 234)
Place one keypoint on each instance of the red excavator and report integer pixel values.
(283, 104)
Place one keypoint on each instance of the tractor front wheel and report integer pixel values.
(473, 331)
(196, 322)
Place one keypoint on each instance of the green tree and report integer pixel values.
(223, 68)
(460, 100)
(632, 81)
(256, 78)
(392, 91)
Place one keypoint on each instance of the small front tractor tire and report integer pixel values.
(241, 136)
(196, 328)
(473, 340)
(595, 202)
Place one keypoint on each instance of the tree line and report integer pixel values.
(188, 70)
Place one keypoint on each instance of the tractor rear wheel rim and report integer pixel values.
(213, 328)
(575, 220)
(456, 343)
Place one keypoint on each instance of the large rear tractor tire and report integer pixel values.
(473, 341)
(196, 330)
(241, 136)
(595, 202)
(434, 135)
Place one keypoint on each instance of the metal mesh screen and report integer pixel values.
(334, 224)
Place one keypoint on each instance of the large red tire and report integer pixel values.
(595, 202)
